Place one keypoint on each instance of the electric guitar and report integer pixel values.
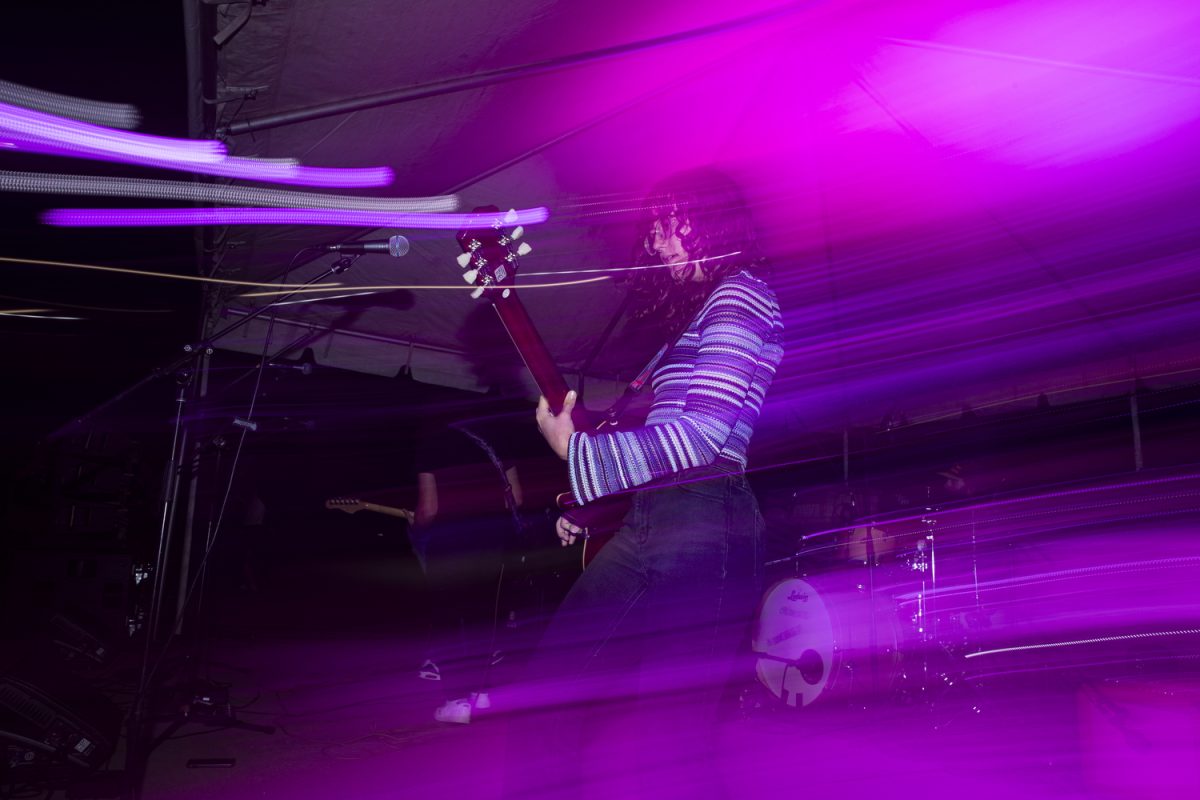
(489, 261)
(353, 506)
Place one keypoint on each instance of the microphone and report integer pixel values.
(303, 367)
(394, 246)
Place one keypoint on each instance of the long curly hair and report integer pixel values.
(716, 231)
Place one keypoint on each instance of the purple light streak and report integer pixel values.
(296, 174)
(211, 193)
(33, 131)
(25, 126)
(285, 171)
(114, 115)
(980, 317)
(151, 217)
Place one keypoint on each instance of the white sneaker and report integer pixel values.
(429, 671)
(459, 711)
(456, 711)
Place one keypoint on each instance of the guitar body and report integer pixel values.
(601, 519)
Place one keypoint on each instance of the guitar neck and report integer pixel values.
(354, 505)
(533, 350)
(389, 510)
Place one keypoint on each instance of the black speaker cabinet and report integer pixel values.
(57, 714)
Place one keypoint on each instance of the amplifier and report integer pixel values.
(59, 716)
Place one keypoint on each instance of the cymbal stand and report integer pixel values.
(924, 563)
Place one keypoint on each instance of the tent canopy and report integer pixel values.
(965, 203)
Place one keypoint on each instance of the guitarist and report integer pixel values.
(675, 588)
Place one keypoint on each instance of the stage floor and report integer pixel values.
(326, 652)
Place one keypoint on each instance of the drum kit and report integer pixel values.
(841, 633)
(895, 607)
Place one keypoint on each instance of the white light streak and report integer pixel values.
(316, 299)
(631, 269)
(34, 127)
(151, 274)
(113, 115)
(51, 183)
(108, 309)
(456, 287)
(1076, 642)
(32, 313)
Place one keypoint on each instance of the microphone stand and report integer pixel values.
(138, 749)
(194, 350)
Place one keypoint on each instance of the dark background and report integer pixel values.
(81, 503)
(53, 368)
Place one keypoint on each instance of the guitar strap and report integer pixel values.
(509, 499)
(635, 386)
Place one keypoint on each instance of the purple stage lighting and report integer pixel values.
(114, 115)
(166, 217)
(286, 171)
(33, 131)
(190, 191)
(22, 125)
(251, 169)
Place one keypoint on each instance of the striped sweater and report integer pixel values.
(708, 393)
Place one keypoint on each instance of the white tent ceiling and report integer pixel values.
(965, 202)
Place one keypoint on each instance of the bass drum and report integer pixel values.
(827, 638)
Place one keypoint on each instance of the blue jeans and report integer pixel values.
(660, 613)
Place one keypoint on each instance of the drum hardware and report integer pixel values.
(924, 562)
(841, 634)
(1013, 575)
(951, 700)
(921, 562)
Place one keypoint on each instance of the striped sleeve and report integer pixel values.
(733, 328)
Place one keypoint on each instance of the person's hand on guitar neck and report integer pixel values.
(557, 428)
(567, 531)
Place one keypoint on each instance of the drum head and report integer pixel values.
(828, 636)
(795, 642)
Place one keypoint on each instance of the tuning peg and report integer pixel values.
(470, 275)
(517, 232)
(524, 249)
(463, 259)
(478, 293)
(511, 216)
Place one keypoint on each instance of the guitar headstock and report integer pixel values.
(489, 257)
(347, 504)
